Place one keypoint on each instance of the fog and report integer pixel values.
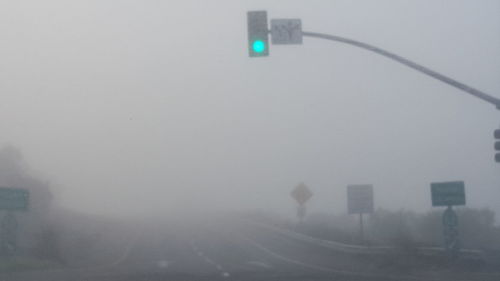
(138, 108)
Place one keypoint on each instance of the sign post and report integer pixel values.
(360, 201)
(11, 199)
(301, 193)
(449, 194)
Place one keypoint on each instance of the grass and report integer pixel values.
(17, 264)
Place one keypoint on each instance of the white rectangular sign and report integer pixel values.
(360, 199)
(286, 31)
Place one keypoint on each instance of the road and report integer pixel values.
(223, 249)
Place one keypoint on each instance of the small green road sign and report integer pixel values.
(448, 193)
(13, 199)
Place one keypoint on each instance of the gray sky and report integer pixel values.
(131, 107)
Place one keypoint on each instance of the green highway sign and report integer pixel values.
(448, 193)
(13, 199)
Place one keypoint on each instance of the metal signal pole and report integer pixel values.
(468, 89)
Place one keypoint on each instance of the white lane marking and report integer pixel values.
(321, 268)
(196, 249)
(163, 263)
(209, 260)
(193, 246)
(126, 252)
(259, 264)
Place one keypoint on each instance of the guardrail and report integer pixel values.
(358, 249)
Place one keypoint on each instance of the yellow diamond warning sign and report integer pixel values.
(301, 193)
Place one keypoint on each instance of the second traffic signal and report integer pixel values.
(496, 134)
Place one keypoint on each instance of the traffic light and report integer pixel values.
(258, 34)
(496, 134)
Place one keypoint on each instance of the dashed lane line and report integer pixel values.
(208, 260)
(259, 264)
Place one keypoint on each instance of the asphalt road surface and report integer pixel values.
(240, 250)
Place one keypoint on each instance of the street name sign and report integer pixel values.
(13, 199)
(301, 193)
(286, 31)
(360, 199)
(448, 193)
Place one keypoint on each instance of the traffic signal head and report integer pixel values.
(496, 134)
(258, 34)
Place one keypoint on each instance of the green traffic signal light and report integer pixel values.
(259, 46)
(258, 34)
